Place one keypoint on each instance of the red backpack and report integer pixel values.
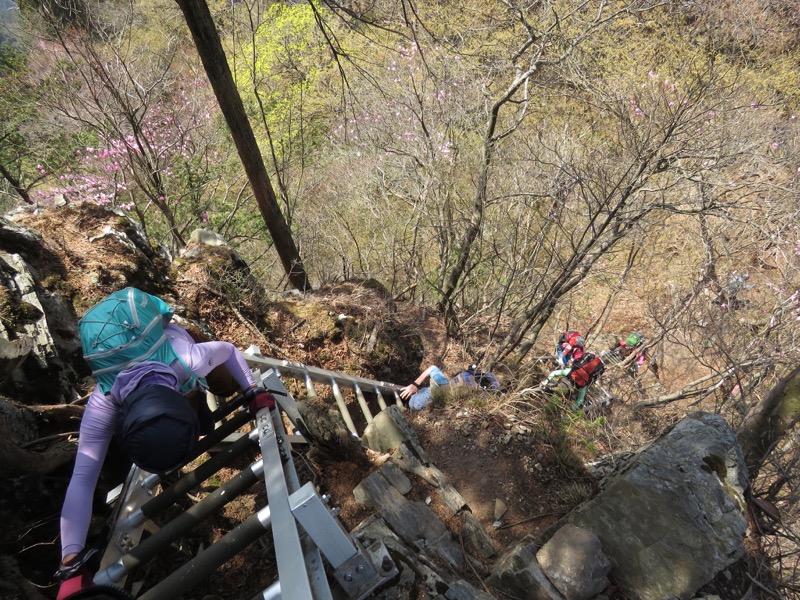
(586, 369)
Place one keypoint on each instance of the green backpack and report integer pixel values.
(124, 329)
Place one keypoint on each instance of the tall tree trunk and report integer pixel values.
(769, 420)
(206, 38)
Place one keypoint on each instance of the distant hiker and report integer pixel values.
(146, 370)
(634, 343)
(579, 376)
(728, 297)
(419, 395)
(570, 346)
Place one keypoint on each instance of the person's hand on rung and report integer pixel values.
(409, 390)
(260, 399)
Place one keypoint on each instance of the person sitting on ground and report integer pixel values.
(147, 412)
(570, 346)
(419, 395)
(579, 376)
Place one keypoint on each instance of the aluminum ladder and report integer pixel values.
(305, 530)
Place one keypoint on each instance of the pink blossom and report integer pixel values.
(774, 145)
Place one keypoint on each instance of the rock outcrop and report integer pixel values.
(668, 522)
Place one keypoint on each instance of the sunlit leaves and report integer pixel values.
(279, 72)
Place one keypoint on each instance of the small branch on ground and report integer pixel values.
(49, 438)
(529, 519)
(58, 412)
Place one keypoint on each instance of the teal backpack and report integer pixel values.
(124, 329)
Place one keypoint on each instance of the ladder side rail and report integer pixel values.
(292, 570)
(272, 381)
(317, 575)
(322, 534)
(272, 592)
(301, 371)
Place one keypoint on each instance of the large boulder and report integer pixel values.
(668, 521)
(674, 517)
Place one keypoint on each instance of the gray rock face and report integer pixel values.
(35, 332)
(209, 238)
(574, 561)
(39, 307)
(13, 354)
(413, 522)
(389, 431)
(674, 517)
(518, 574)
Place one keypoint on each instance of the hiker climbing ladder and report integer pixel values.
(304, 529)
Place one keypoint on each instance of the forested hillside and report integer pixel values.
(519, 167)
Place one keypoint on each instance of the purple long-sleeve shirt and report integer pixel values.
(100, 420)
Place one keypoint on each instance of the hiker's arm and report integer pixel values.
(425, 375)
(97, 428)
(413, 387)
(202, 358)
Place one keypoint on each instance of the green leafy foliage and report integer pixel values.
(279, 72)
